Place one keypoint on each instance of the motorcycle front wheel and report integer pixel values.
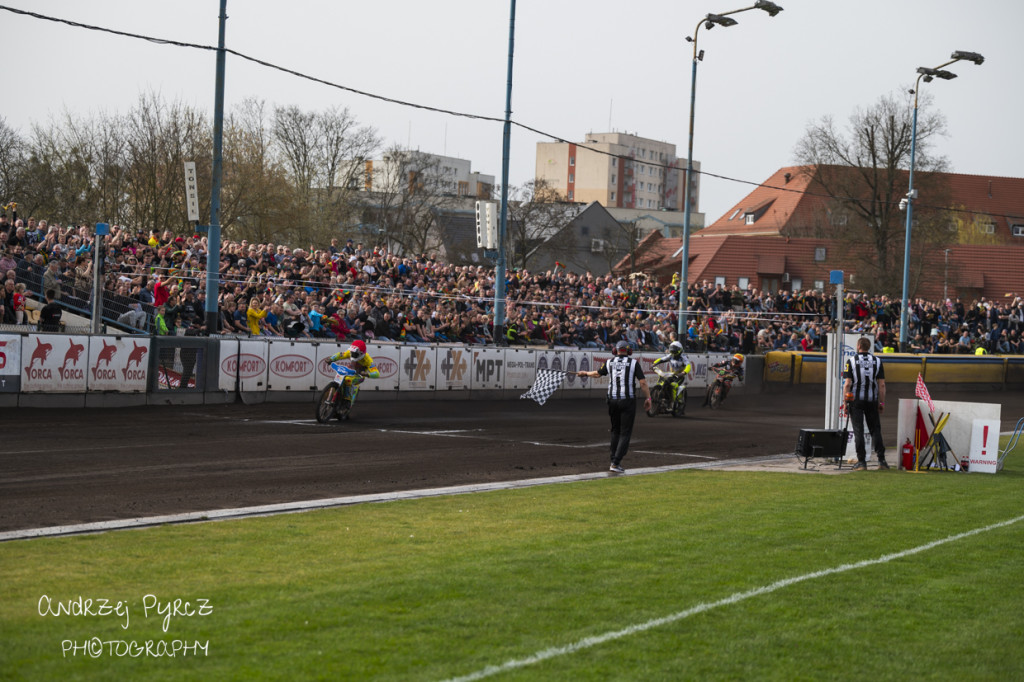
(716, 396)
(327, 405)
(655, 401)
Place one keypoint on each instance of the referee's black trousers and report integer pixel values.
(861, 412)
(623, 413)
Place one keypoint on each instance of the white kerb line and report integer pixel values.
(588, 642)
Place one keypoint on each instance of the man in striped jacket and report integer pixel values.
(623, 373)
(865, 397)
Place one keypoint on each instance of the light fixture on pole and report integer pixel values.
(708, 22)
(927, 75)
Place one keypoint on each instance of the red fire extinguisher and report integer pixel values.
(908, 455)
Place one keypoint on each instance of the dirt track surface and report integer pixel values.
(62, 467)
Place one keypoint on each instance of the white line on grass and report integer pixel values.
(589, 642)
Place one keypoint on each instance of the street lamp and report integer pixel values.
(928, 75)
(708, 22)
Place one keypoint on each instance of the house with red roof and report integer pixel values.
(787, 234)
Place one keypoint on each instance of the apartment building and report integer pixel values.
(618, 170)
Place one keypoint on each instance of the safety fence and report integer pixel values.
(797, 368)
(88, 370)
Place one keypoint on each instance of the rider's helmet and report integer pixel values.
(357, 350)
(737, 359)
(622, 348)
(675, 348)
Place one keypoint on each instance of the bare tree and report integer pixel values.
(324, 153)
(863, 171)
(409, 188)
(13, 159)
(536, 212)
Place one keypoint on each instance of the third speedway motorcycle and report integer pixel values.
(718, 388)
(336, 399)
(669, 394)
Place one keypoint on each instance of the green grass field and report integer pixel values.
(628, 578)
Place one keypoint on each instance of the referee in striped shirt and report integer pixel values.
(865, 396)
(623, 371)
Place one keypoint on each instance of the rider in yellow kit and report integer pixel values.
(359, 361)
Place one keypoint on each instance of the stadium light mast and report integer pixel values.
(213, 236)
(499, 269)
(928, 75)
(709, 22)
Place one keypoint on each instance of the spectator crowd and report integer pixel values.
(155, 283)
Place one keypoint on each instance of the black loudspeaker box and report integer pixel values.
(829, 443)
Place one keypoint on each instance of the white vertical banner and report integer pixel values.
(487, 369)
(575, 361)
(246, 360)
(10, 363)
(191, 191)
(385, 359)
(984, 446)
(520, 368)
(453, 368)
(118, 364)
(290, 366)
(417, 368)
(54, 364)
(835, 412)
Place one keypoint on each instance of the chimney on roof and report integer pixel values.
(787, 176)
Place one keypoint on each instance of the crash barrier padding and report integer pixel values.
(796, 367)
(90, 370)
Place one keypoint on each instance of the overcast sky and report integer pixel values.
(580, 66)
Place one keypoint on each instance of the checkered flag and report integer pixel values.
(547, 382)
(921, 391)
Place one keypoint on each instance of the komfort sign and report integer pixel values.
(291, 366)
(246, 365)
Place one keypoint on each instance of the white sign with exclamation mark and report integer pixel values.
(984, 446)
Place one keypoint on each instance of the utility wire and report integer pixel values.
(450, 112)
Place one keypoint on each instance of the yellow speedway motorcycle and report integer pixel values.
(668, 396)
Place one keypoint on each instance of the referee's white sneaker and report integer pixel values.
(616, 469)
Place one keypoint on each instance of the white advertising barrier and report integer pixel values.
(10, 363)
(291, 366)
(597, 360)
(246, 361)
(520, 368)
(118, 364)
(54, 364)
(417, 368)
(385, 358)
(984, 446)
(453, 368)
(575, 361)
(487, 369)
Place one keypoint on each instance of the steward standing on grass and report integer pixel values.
(623, 372)
(865, 394)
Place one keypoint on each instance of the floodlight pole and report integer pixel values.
(710, 21)
(213, 236)
(499, 270)
(927, 74)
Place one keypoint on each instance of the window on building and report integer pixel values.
(743, 282)
(987, 228)
(585, 230)
(819, 254)
(798, 284)
(749, 220)
(1017, 230)
(572, 160)
(819, 284)
(613, 196)
(570, 199)
(736, 213)
(839, 219)
(572, 177)
(613, 178)
(718, 280)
